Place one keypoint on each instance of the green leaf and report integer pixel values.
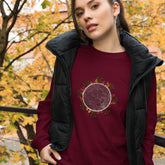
(7, 58)
(40, 27)
(45, 3)
(30, 35)
(45, 93)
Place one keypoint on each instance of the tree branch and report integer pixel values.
(15, 12)
(2, 10)
(34, 90)
(21, 79)
(30, 131)
(15, 9)
(51, 71)
(23, 3)
(49, 33)
(30, 89)
(68, 7)
(26, 52)
(12, 24)
(62, 22)
(35, 76)
(8, 6)
(20, 134)
(13, 42)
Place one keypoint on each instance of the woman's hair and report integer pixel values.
(121, 23)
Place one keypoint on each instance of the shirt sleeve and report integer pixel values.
(42, 138)
(151, 119)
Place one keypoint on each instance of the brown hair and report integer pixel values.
(121, 23)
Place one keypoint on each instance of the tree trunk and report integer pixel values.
(3, 46)
(26, 141)
(30, 133)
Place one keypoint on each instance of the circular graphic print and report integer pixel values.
(96, 97)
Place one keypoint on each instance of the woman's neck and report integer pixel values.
(110, 44)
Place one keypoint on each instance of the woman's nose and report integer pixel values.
(87, 16)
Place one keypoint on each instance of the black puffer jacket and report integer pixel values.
(143, 66)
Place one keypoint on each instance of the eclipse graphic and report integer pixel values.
(96, 97)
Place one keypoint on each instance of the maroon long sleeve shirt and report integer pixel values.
(99, 85)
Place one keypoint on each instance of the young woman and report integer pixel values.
(101, 108)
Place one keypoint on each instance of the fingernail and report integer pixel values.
(59, 158)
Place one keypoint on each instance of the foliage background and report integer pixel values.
(147, 21)
(27, 85)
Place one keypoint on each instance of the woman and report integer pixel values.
(103, 96)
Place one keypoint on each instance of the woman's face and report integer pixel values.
(97, 17)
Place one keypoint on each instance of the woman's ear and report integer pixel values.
(116, 9)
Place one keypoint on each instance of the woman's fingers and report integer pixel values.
(56, 154)
(45, 155)
(48, 159)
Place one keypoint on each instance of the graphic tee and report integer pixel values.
(99, 85)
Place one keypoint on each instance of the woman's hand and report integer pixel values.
(45, 155)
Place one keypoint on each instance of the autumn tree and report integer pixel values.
(147, 23)
(23, 84)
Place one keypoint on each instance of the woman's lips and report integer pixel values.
(91, 27)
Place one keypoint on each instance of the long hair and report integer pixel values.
(121, 23)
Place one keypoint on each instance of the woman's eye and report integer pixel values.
(94, 6)
(79, 14)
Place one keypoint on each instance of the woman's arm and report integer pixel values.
(151, 119)
(42, 139)
(43, 123)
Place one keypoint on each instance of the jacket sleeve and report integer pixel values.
(151, 119)
(41, 138)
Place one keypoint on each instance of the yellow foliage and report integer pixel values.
(15, 157)
(22, 146)
(28, 120)
(32, 155)
(146, 20)
(159, 152)
(28, 148)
